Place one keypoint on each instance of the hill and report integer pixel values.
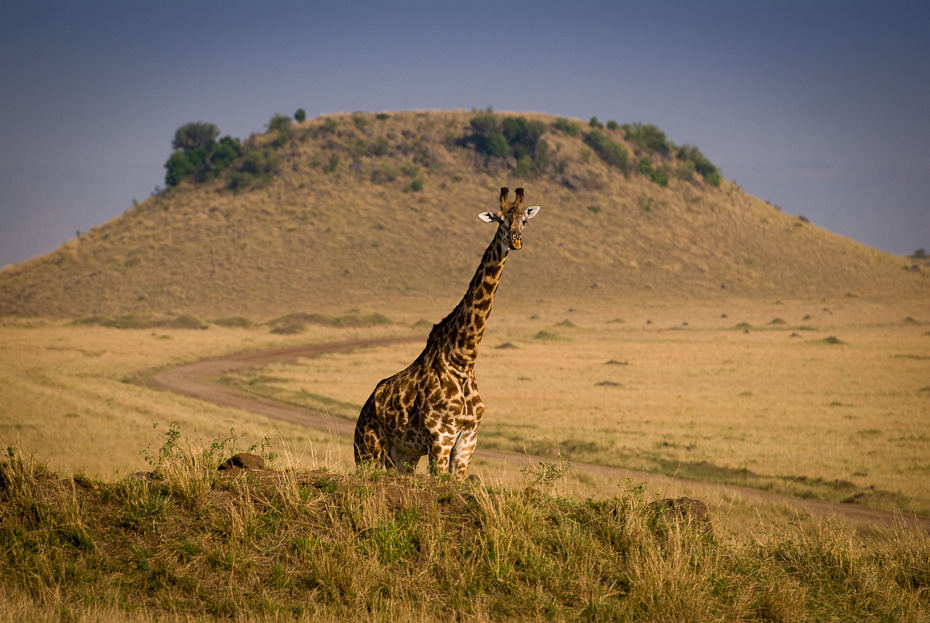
(368, 211)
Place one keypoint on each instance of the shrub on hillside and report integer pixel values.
(192, 136)
(647, 136)
(282, 125)
(701, 164)
(359, 148)
(300, 116)
(494, 144)
(178, 167)
(332, 165)
(515, 137)
(279, 123)
(198, 154)
(609, 151)
(484, 124)
(415, 186)
(568, 127)
(254, 165)
(379, 146)
(659, 176)
(523, 136)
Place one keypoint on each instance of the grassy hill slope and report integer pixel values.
(192, 543)
(366, 211)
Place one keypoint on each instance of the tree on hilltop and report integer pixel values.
(197, 153)
(192, 136)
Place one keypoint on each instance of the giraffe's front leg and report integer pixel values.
(461, 454)
(439, 457)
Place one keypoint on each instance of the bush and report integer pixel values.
(523, 136)
(701, 164)
(191, 136)
(594, 123)
(568, 127)
(254, 165)
(414, 186)
(484, 124)
(609, 151)
(332, 165)
(379, 146)
(178, 167)
(300, 116)
(659, 176)
(359, 148)
(647, 136)
(282, 125)
(494, 145)
(515, 137)
(279, 123)
(198, 154)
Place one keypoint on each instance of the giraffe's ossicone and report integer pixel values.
(432, 407)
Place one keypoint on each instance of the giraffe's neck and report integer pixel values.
(459, 334)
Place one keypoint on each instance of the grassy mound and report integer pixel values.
(189, 542)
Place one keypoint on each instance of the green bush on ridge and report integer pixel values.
(609, 151)
(515, 137)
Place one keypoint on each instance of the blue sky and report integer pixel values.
(822, 108)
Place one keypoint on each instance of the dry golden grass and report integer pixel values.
(811, 400)
(193, 543)
(69, 392)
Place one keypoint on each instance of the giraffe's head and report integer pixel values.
(511, 218)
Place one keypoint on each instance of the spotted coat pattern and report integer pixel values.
(432, 407)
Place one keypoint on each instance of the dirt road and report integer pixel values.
(194, 380)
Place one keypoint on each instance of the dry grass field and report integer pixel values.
(819, 400)
(824, 401)
(811, 400)
(70, 397)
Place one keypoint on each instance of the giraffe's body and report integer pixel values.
(432, 407)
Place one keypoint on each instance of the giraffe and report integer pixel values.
(432, 407)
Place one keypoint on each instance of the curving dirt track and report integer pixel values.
(194, 380)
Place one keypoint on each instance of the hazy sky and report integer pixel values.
(822, 108)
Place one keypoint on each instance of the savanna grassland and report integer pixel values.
(658, 320)
(811, 401)
(833, 409)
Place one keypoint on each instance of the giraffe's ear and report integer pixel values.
(488, 217)
(531, 212)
